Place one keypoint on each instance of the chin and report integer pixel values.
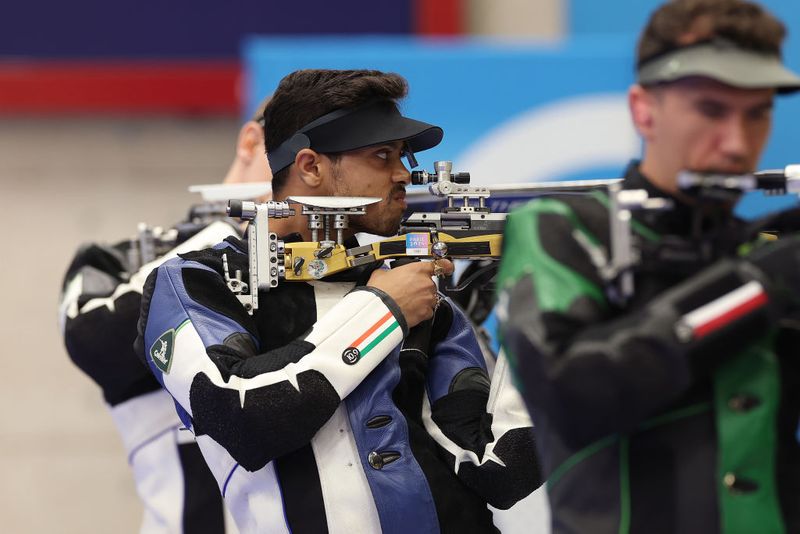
(727, 169)
(387, 232)
(382, 230)
(389, 226)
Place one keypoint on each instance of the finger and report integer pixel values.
(447, 266)
(441, 267)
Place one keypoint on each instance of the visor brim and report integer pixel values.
(728, 65)
(344, 130)
(376, 125)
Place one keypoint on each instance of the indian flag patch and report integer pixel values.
(370, 339)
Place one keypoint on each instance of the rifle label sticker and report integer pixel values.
(417, 244)
(161, 351)
(317, 269)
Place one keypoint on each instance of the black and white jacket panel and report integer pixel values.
(313, 419)
(98, 314)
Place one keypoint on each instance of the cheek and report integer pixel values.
(759, 135)
(693, 141)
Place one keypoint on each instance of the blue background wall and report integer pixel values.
(474, 87)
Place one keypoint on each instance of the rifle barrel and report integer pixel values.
(573, 186)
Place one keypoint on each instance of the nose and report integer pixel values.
(733, 138)
(400, 173)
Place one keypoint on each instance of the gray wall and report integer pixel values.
(64, 181)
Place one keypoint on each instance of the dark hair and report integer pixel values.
(682, 22)
(258, 114)
(305, 95)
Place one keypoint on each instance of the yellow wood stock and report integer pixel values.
(314, 268)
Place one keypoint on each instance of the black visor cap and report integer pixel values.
(374, 124)
(344, 130)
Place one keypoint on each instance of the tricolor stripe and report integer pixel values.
(725, 309)
(375, 334)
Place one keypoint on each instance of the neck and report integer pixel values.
(298, 224)
(664, 177)
(295, 224)
(235, 174)
(667, 182)
(660, 175)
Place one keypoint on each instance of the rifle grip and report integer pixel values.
(419, 338)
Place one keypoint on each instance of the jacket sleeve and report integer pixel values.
(203, 347)
(593, 371)
(99, 310)
(480, 423)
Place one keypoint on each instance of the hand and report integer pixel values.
(412, 288)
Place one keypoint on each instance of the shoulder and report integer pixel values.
(586, 212)
(194, 281)
(560, 241)
(231, 250)
(98, 258)
(94, 273)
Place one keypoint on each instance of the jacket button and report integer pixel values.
(738, 485)
(743, 402)
(377, 460)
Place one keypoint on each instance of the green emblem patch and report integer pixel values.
(161, 351)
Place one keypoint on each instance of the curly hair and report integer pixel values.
(305, 95)
(682, 22)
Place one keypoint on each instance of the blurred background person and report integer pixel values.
(99, 311)
(672, 408)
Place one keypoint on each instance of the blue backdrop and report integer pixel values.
(511, 112)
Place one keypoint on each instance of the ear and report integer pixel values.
(309, 165)
(250, 142)
(641, 103)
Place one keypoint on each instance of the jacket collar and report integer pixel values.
(679, 219)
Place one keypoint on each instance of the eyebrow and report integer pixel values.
(390, 146)
(763, 106)
(720, 104)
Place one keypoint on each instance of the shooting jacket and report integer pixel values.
(313, 414)
(98, 313)
(638, 431)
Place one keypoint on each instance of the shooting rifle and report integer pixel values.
(672, 251)
(151, 242)
(465, 228)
